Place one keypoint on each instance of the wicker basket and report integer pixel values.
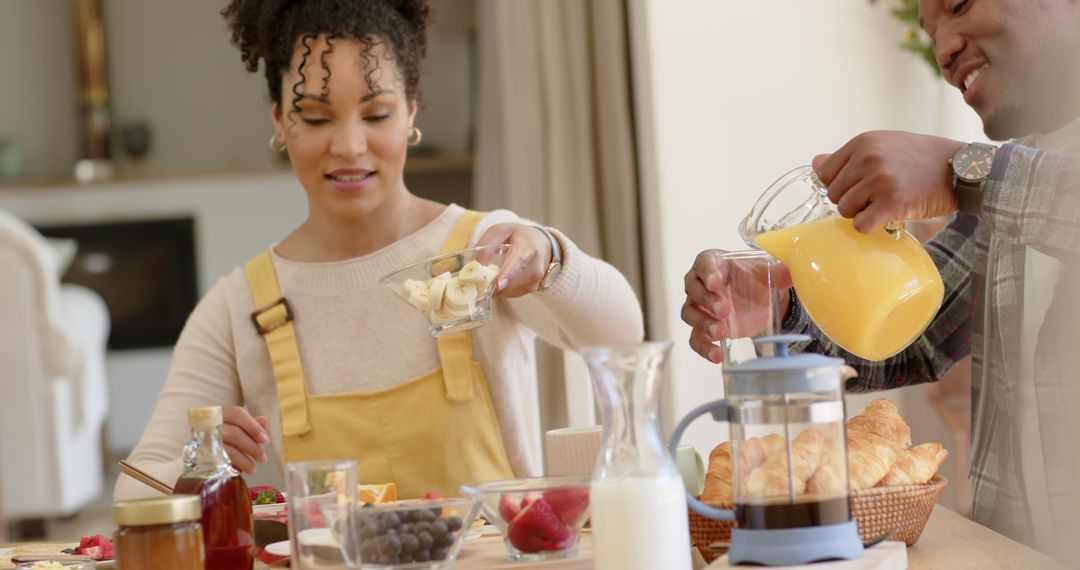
(904, 510)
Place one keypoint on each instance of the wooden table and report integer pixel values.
(954, 542)
(950, 542)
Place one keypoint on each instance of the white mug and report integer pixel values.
(691, 467)
(573, 451)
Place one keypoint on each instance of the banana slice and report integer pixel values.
(459, 294)
(437, 291)
(459, 312)
(487, 274)
(472, 272)
(418, 293)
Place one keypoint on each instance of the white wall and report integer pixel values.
(235, 218)
(730, 95)
(37, 85)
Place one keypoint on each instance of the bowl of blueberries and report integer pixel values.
(422, 534)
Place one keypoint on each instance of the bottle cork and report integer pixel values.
(204, 417)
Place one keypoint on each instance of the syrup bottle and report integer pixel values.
(227, 522)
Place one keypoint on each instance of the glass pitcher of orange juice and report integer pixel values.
(872, 294)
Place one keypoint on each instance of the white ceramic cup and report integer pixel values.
(691, 467)
(573, 451)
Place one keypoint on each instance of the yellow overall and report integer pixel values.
(432, 433)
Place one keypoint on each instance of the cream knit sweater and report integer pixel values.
(355, 336)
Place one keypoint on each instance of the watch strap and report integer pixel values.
(969, 193)
(556, 257)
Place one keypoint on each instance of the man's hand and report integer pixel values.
(881, 176)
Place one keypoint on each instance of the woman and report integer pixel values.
(367, 379)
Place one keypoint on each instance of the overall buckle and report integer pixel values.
(263, 330)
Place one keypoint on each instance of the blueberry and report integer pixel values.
(426, 540)
(428, 515)
(369, 550)
(366, 532)
(439, 553)
(405, 528)
(395, 543)
(454, 523)
(422, 556)
(368, 505)
(388, 559)
(406, 557)
(436, 512)
(386, 546)
(409, 543)
(377, 527)
(438, 529)
(392, 520)
(417, 515)
(421, 527)
(444, 540)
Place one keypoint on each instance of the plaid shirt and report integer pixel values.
(1032, 199)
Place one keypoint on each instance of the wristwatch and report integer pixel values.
(555, 266)
(971, 168)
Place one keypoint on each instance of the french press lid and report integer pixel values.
(784, 373)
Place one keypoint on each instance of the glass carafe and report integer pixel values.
(873, 294)
(637, 499)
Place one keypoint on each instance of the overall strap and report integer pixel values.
(455, 350)
(273, 320)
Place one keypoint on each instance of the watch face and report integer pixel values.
(973, 163)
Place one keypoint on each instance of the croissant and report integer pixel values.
(771, 479)
(882, 418)
(718, 477)
(916, 466)
(870, 457)
(752, 454)
(829, 477)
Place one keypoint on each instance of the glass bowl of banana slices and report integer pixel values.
(452, 290)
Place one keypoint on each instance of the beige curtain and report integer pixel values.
(555, 132)
(555, 136)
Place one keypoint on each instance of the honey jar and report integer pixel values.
(162, 533)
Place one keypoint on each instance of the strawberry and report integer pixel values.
(97, 547)
(538, 529)
(433, 496)
(569, 504)
(508, 510)
(265, 495)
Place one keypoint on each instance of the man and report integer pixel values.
(1010, 259)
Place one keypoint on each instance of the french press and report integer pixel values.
(789, 469)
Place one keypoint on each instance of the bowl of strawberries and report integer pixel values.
(271, 518)
(540, 517)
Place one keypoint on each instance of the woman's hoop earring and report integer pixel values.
(276, 145)
(419, 136)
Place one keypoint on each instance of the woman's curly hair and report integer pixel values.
(268, 30)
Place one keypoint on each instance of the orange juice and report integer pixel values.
(872, 294)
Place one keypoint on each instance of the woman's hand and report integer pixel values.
(527, 262)
(244, 437)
